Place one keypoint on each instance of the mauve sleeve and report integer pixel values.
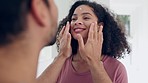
(121, 74)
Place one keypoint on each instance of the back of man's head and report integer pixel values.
(12, 19)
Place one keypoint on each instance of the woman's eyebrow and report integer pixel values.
(84, 13)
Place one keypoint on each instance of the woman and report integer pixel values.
(97, 40)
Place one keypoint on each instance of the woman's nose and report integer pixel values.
(78, 22)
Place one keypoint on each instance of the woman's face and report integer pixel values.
(82, 18)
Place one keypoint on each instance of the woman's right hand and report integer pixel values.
(65, 41)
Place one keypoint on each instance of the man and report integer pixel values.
(26, 26)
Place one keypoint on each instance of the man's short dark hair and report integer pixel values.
(13, 18)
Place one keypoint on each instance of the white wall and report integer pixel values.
(136, 62)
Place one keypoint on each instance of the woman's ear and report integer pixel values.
(100, 24)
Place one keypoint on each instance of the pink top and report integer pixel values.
(113, 67)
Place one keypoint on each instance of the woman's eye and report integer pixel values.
(86, 18)
(73, 19)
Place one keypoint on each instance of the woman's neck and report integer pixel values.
(77, 58)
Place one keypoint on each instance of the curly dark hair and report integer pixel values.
(13, 14)
(115, 44)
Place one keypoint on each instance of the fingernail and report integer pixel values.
(68, 22)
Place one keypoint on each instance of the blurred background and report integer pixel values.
(135, 15)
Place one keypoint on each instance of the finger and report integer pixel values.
(100, 34)
(95, 30)
(100, 29)
(61, 32)
(80, 41)
(69, 39)
(90, 34)
(67, 29)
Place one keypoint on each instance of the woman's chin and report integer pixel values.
(75, 37)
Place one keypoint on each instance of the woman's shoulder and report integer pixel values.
(115, 69)
(112, 63)
(110, 60)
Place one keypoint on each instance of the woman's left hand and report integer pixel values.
(91, 51)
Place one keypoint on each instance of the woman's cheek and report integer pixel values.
(87, 24)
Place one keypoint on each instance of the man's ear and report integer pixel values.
(39, 11)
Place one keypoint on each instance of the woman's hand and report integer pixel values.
(65, 41)
(91, 51)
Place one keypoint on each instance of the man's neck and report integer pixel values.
(18, 62)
